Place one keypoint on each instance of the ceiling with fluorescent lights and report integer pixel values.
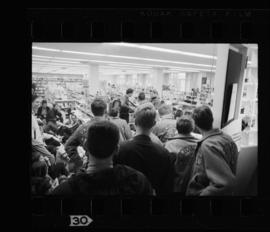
(118, 58)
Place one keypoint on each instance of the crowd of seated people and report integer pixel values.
(154, 153)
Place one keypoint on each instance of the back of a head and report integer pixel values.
(114, 112)
(178, 113)
(44, 102)
(129, 91)
(98, 107)
(185, 125)
(39, 169)
(164, 110)
(141, 96)
(145, 116)
(58, 169)
(102, 140)
(203, 117)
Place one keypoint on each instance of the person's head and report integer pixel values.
(145, 117)
(102, 140)
(114, 112)
(44, 103)
(129, 92)
(58, 169)
(98, 107)
(141, 96)
(116, 103)
(164, 110)
(203, 118)
(33, 88)
(56, 106)
(39, 169)
(35, 102)
(185, 125)
(155, 101)
(178, 114)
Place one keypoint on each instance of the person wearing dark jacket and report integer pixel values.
(102, 177)
(78, 138)
(146, 156)
(216, 159)
(43, 110)
(126, 105)
(53, 115)
(182, 149)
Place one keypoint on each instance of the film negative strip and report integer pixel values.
(152, 26)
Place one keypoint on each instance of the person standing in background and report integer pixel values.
(141, 98)
(125, 132)
(43, 111)
(126, 108)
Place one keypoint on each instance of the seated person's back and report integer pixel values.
(101, 176)
(142, 154)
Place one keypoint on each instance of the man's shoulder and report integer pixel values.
(63, 189)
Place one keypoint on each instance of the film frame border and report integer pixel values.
(153, 25)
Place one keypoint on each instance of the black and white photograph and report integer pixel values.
(144, 119)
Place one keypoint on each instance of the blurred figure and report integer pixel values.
(78, 138)
(53, 116)
(103, 177)
(143, 155)
(126, 105)
(178, 114)
(40, 181)
(166, 126)
(36, 132)
(43, 110)
(141, 98)
(182, 148)
(125, 132)
(216, 158)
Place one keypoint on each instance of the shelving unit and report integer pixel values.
(249, 100)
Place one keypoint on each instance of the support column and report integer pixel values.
(219, 83)
(158, 80)
(93, 77)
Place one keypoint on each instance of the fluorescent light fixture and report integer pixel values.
(68, 65)
(158, 49)
(46, 49)
(125, 57)
(56, 61)
(126, 63)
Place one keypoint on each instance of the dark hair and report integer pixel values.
(203, 117)
(58, 169)
(98, 107)
(145, 117)
(34, 97)
(129, 91)
(103, 138)
(114, 102)
(185, 125)
(141, 96)
(39, 169)
(178, 113)
(114, 112)
(43, 102)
